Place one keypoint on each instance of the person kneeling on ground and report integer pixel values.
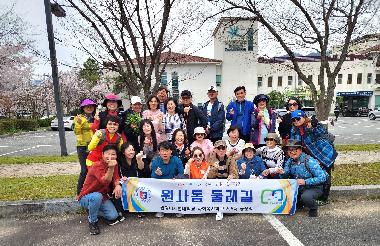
(94, 194)
(250, 166)
(166, 166)
(308, 173)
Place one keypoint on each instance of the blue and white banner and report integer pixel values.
(199, 196)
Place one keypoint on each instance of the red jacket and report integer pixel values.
(95, 181)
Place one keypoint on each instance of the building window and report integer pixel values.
(349, 79)
(340, 78)
(279, 81)
(359, 78)
(175, 85)
(300, 81)
(270, 79)
(164, 79)
(310, 77)
(259, 81)
(369, 78)
(290, 80)
(218, 80)
(250, 39)
(377, 80)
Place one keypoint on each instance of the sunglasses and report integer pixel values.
(197, 156)
(269, 139)
(290, 149)
(292, 104)
(296, 119)
(221, 147)
(199, 134)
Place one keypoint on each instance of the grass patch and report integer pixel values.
(37, 159)
(37, 188)
(357, 147)
(356, 174)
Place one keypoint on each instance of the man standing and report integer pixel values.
(239, 113)
(214, 110)
(162, 94)
(129, 125)
(96, 187)
(192, 115)
(310, 176)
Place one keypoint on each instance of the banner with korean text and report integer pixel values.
(199, 196)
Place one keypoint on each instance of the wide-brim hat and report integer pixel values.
(259, 98)
(199, 130)
(294, 143)
(112, 97)
(87, 102)
(220, 143)
(248, 146)
(274, 136)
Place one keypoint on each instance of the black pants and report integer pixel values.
(308, 195)
(82, 156)
(327, 184)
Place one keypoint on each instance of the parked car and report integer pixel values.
(281, 112)
(68, 123)
(375, 113)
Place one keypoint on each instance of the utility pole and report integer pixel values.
(59, 12)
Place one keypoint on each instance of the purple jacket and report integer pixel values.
(256, 125)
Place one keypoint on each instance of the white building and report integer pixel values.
(237, 63)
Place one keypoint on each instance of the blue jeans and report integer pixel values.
(97, 207)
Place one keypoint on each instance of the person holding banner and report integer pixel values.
(308, 173)
(197, 167)
(250, 166)
(94, 194)
(222, 166)
(166, 166)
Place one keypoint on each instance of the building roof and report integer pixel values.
(232, 21)
(178, 58)
(312, 58)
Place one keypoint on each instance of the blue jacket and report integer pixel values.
(171, 170)
(217, 119)
(315, 144)
(255, 166)
(256, 125)
(299, 171)
(246, 122)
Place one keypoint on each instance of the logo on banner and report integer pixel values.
(272, 196)
(143, 194)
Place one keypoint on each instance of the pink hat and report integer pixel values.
(87, 102)
(112, 97)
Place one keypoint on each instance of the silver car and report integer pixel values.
(372, 115)
(68, 123)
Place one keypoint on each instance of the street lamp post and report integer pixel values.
(59, 12)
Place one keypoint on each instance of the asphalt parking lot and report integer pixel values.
(339, 223)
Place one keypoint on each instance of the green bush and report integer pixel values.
(14, 125)
(44, 122)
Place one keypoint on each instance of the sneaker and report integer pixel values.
(179, 215)
(160, 215)
(115, 221)
(322, 202)
(313, 213)
(94, 228)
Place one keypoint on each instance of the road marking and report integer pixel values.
(3, 146)
(39, 136)
(38, 146)
(283, 231)
(336, 135)
(378, 128)
(369, 126)
(342, 127)
(72, 152)
(357, 134)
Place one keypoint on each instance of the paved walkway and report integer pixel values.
(49, 169)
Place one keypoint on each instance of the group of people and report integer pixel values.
(179, 140)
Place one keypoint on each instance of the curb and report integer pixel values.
(22, 133)
(71, 206)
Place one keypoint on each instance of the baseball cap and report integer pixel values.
(212, 88)
(219, 143)
(297, 113)
(135, 99)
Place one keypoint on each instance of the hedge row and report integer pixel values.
(14, 125)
